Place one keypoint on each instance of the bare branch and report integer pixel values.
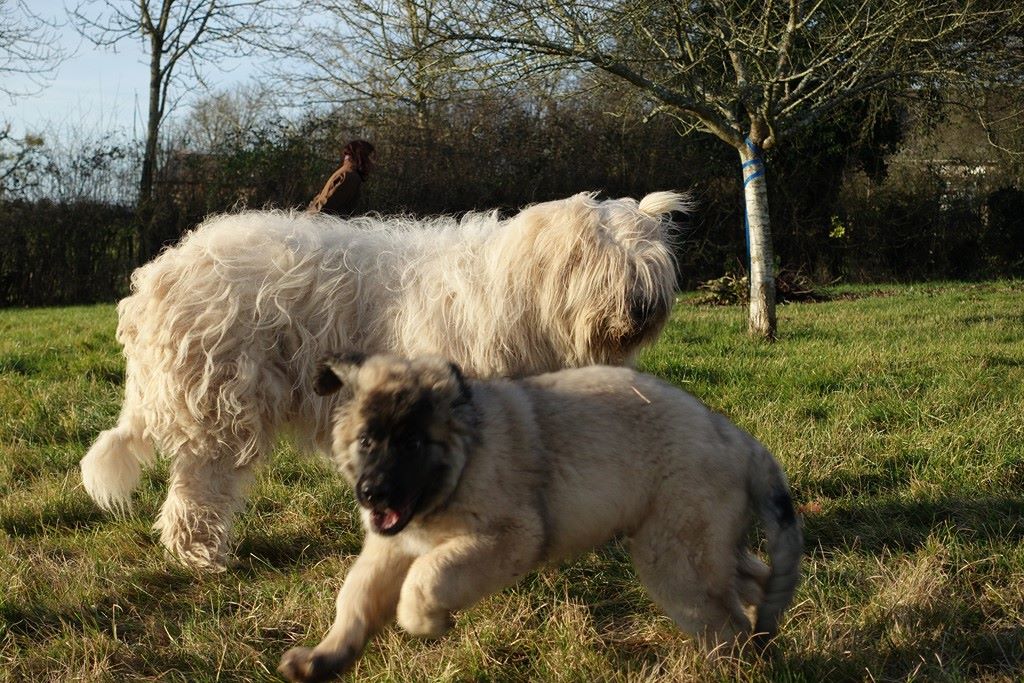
(28, 49)
(193, 33)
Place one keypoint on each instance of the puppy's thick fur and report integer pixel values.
(222, 332)
(465, 486)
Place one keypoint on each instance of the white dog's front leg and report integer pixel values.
(366, 603)
(456, 575)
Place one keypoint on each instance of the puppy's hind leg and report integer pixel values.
(752, 576)
(693, 580)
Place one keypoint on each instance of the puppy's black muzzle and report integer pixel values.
(374, 490)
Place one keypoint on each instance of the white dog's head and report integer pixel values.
(565, 283)
(603, 273)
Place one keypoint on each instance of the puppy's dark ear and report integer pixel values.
(465, 395)
(335, 371)
(326, 381)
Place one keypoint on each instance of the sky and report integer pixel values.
(95, 90)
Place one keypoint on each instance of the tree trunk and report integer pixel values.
(144, 204)
(152, 136)
(759, 243)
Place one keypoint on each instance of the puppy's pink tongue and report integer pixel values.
(387, 519)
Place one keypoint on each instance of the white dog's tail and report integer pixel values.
(658, 204)
(112, 468)
(785, 541)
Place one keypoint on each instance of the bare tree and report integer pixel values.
(375, 53)
(181, 38)
(28, 49)
(29, 56)
(751, 73)
(220, 119)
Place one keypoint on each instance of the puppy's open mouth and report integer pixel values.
(388, 521)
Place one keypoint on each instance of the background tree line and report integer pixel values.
(902, 182)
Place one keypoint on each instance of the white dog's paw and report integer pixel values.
(425, 623)
(306, 665)
(197, 558)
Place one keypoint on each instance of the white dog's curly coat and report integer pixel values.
(223, 332)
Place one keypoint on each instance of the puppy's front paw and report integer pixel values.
(306, 665)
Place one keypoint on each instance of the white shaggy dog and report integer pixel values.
(466, 486)
(223, 332)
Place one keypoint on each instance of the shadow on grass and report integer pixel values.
(893, 473)
(872, 525)
(970, 643)
(75, 513)
(20, 364)
(112, 374)
(256, 553)
(143, 596)
(963, 649)
(1001, 361)
(1012, 318)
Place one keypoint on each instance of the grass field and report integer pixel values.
(897, 412)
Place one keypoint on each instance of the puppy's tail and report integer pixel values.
(112, 468)
(774, 506)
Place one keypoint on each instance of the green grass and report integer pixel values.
(897, 413)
